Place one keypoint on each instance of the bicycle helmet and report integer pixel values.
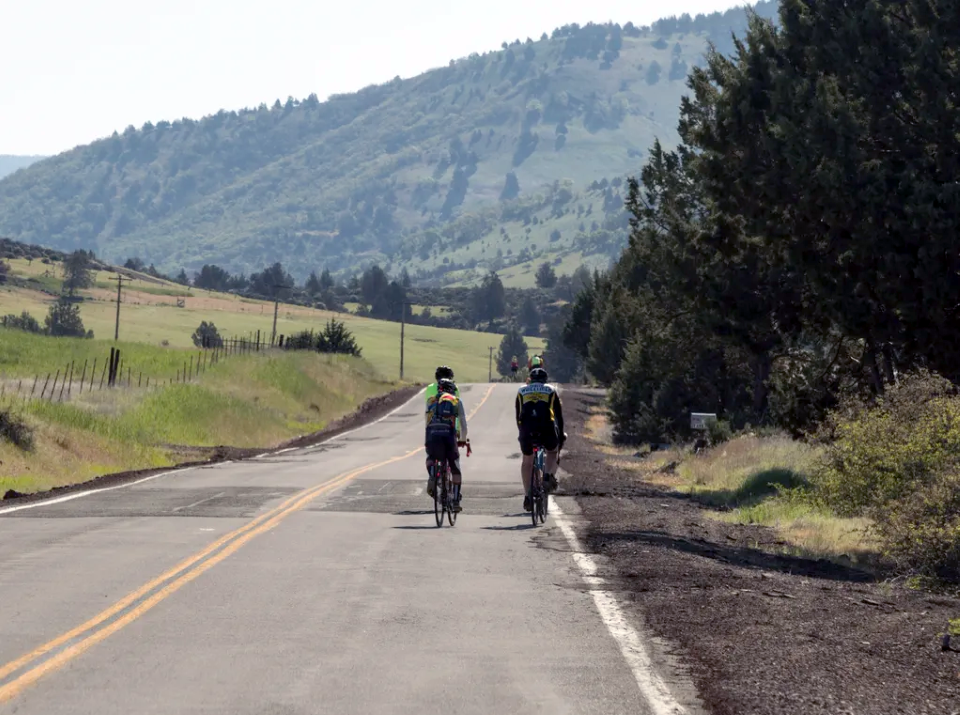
(443, 373)
(538, 374)
(447, 386)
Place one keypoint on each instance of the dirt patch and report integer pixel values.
(761, 632)
(372, 409)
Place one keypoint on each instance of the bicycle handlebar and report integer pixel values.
(467, 445)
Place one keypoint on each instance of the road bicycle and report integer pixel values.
(444, 494)
(538, 495)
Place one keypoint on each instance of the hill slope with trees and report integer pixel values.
(9, 163)
(506, 158)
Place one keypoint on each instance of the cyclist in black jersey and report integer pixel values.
(540, 421)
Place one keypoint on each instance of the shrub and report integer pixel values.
(921, 533)
(719, 432)
(304, 340)
(897, 461)
(884, 452)
(16, 430)
(207, 336)
(335, 338)
(64, 320)
(24, 321)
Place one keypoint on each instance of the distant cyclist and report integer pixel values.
(540, 421)
(446, 425)
(514, 366)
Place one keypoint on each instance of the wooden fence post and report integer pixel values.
(63, 385)
(83, 376)
(32, 389)
(54, 388)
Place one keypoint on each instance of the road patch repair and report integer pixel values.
(371, 410)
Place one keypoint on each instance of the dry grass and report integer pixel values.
(253, 401)
(750, 480)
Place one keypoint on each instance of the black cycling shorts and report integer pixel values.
(442, 445)
(544, 435)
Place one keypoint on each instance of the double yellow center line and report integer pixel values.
(29, 668)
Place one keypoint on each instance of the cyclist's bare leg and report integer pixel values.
(550, 461)
(526, 473)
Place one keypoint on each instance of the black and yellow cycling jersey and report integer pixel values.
(538, 404)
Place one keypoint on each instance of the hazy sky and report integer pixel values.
(71, 72)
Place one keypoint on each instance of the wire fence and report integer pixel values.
(75, 379)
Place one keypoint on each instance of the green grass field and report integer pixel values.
(150, 315)
(244, 401)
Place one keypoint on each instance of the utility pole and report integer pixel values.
(116, 329)
(276, 307)
(490, 366)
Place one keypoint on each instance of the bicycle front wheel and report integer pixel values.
(451, 514)
(536, 494)
(438, 497)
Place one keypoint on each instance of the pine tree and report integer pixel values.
(511, 345)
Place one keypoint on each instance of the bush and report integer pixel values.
(335, 338)
(24, 321)
(887, 451)
(897, 461)
(14, 429)
(719, 432)
(64, 320)
(921, 533)
(207, 336)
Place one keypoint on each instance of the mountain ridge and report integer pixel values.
(10, 163)
(412, 173)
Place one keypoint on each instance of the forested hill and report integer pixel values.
(514, 156)
(10, 163)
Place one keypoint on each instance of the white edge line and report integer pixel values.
(652, 687)
(88, 492)
(77, 495)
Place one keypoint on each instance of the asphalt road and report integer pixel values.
(313, 581)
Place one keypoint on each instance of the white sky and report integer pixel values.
(72, 72)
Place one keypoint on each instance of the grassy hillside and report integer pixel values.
(249, 401)
(10, 163)
(151, 316)
(493, 161)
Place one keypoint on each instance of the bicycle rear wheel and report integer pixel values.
(451, 514)
(536, 494)
(438, 496)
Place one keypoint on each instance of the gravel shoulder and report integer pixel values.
(758, 631)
